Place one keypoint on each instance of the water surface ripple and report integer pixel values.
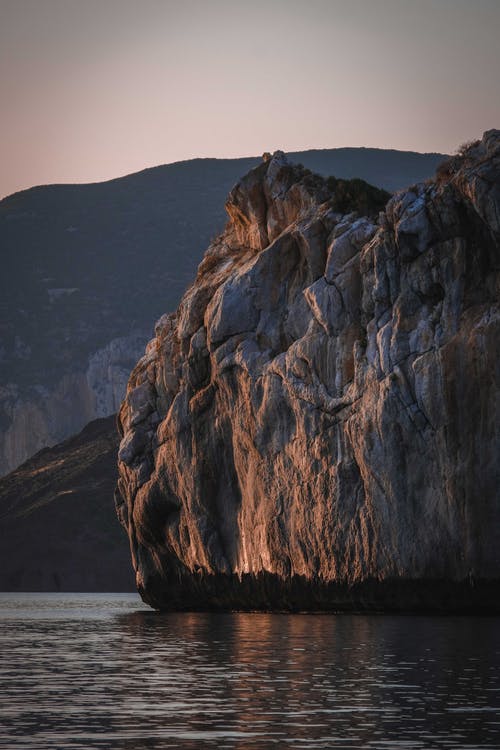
(101, 671)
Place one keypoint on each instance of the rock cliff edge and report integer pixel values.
(316, 427)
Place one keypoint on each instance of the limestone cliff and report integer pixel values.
(43, 415)
(76, 260)
(317, 424)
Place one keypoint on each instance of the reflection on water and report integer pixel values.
(100, 671)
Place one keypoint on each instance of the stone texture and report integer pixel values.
(317, 424)
(76, 260)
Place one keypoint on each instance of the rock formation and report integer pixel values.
(317, 424)
(76, 260)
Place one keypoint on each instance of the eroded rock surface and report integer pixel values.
(77, 259)
(317, 424)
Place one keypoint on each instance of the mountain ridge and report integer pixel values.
(293, 155)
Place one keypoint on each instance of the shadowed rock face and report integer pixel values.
(317, 424)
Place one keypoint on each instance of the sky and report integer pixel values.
(95, 89)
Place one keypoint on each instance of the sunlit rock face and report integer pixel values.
(316, 426)
(77, 259)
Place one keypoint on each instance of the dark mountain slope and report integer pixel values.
(57, 522)
(387, 168)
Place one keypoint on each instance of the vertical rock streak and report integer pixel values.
(323, 406)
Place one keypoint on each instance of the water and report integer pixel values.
(102, 671)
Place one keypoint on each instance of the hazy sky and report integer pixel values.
(93, 89)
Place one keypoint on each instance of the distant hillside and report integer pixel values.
(57, 521)
(87, 269)
(386, 168)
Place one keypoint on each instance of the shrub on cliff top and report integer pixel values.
(447, 168)
(356, 195)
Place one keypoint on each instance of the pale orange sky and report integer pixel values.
(93, 89)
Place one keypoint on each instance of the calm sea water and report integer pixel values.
(102, 671)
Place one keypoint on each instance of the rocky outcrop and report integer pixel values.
(57, 525)
(317, 424)
(76, 260)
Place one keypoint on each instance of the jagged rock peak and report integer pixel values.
(271, 197)
(317, 425)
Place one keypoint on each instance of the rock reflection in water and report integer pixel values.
(101, 675)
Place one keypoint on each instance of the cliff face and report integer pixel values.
(317, 424)
(43, 415)
(76, 260)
